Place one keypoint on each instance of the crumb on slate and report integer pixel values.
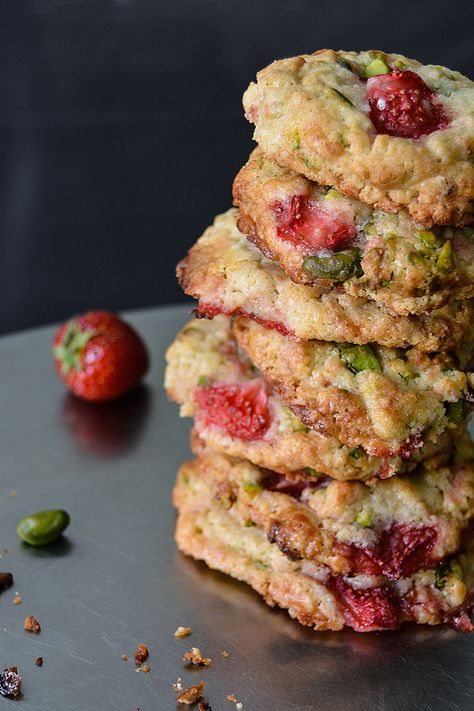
(195, 657)
(124, 657)
(177, 685)
(32, 625)
(6, 581)
(141, 654)
(231, 697)
(183, 632)
(17, 599)
(225, 653)
(191, 694)
(10, 683)
(39, 661)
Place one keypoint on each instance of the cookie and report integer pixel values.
(388, 401)
(379, 127)
(275, 541)
(204, 364)
(322, 238)
(228, 275)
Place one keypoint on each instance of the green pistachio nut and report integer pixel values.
(313, 473)
(370, 229)
(456, 411)
(359, 358)
(445, 262)
(364, 519)
(252, 489)
(333, 194)
(428, 239)
(375, 67)
(44, 527)
(296, 140)
(442, 574)
(337, 267)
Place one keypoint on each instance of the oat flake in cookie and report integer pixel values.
(379, 127)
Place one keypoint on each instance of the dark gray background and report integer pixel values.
(121, 129)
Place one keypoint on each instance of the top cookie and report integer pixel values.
(379, 127)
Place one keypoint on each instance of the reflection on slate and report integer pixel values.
(57, 549)
(388, 666)
(109, 429)
(121, 130)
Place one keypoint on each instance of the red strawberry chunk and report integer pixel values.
(404, 549)
(363, 561)
(290, 487)
(303, 223)
(369, 609)
(240, 410)
(400, 551)
(209, 311)
(402, 105)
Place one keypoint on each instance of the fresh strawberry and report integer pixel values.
(240, 410)
(368, 610)
(402, 105)
(302, 222)
(98, 356)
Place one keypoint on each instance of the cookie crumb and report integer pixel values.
(124, 657)
(191, 694)
(146, 669)
(6, 581)
(183, 632)
(10, 683)
(225, 653)
(141, 654)
(17, 599)
(177, 686)
(31, 624)
(39, 661)
(231, 697)
(195, 657)
(239, 705)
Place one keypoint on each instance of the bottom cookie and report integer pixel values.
(313, 594)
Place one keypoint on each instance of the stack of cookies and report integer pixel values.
(328, 374)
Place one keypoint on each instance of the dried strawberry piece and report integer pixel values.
(10, 683)
(462, 622)
(303, 223)
(402, 105)
(290, 487)
(404, 549)
(368, 610)
(240, 410)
